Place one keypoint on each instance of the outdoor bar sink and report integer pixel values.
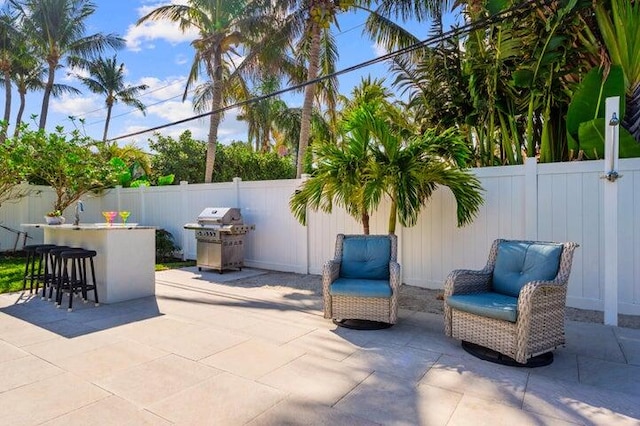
(125, 263)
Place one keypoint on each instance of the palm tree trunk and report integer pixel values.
(47, 95)
(7, 104)
(631, 120)
(393, 214)
(23, 102)
(214, 120)
(365, 223)
(309, 93)
(106, 123)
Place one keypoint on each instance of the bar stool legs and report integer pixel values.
(32, 274)
(73, 276)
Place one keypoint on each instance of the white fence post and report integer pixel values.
(531, 199)
(236, 183)
(610, 208)
(119, 197)
(143, 210)
(184, 212)
(303, 178)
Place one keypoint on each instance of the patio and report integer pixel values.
(226, 349)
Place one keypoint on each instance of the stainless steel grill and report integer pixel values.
(220, 235)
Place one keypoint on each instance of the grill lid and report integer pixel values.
(220, 216)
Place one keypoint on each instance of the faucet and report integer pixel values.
(79, 208)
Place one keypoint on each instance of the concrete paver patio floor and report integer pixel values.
(206, 350)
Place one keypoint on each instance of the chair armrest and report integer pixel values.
(330, 272)
(532, 292)
(394, 276)
(465, 281)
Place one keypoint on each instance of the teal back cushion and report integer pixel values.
(366, 257)
(520, 262)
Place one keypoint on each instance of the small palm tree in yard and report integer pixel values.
(380, 155)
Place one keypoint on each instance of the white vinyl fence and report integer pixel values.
(551, 202)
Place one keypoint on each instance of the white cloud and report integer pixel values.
(137, 35)
(379, 50)
(231, 129)
(172, 111)
(159, 90)
(70, 76)
(182, 59)
(78, 106)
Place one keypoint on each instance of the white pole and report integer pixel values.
(612, 114)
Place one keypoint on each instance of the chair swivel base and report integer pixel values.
(498, 358)
(357, 324)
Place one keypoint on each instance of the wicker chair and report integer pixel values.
(516, 304)
(362, 281)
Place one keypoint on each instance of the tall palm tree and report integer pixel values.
(222, 26)
(310, 22)
(106, 78)
(56, 29)
(8, 41)
(28, 74)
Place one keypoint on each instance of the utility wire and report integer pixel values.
(465, 29)
(181, 81)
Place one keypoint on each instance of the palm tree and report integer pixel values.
(107, 78)
(310, 21)
(221, 26)
(28, 75)
(56, 29)
(339, 176)
(620, 29)
(259, 115)
(8, 41)
(381, 154)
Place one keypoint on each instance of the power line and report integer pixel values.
(465, 29)
(181, 81)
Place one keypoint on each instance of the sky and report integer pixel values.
(159, 55)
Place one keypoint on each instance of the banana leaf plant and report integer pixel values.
(586, 122)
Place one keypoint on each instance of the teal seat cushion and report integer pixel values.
(491, 305)
(354, 287)
(520, 262)
(366, 257)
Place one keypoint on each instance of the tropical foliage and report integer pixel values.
(382, 154)
(68, 162)
(224, 27)
(185, 157)
(13, 173)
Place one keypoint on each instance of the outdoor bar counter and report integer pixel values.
(125, 260)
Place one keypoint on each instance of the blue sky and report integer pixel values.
(159, 55)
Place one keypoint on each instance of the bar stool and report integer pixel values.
(57, 271)
(30, 265)
(47, 268)
(76, 278)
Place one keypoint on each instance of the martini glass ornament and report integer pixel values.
(109, 216)
(124, 215)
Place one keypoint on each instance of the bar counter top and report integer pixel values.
(89, 226)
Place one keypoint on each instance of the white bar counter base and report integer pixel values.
(125, 260)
